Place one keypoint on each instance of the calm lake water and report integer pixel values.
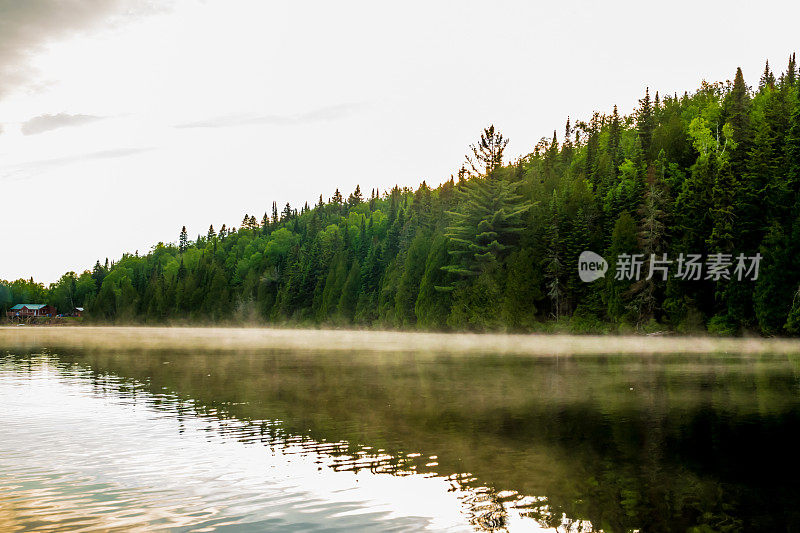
(307, 441)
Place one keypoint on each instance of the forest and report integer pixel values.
(496, 247)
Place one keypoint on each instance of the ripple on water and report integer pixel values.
(82, 454)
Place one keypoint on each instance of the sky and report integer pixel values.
(123, 120)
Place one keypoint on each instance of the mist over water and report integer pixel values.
(322, 340)
(202, 437)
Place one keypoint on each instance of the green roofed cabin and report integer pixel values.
(29, 310)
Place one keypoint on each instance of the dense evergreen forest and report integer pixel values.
(496, 247)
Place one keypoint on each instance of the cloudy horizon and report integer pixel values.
(123, 120)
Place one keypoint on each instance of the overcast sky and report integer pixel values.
(122, 120)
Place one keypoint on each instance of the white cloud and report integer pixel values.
(27, 26)
(43, 123)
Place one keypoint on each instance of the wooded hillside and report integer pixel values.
(497, 245)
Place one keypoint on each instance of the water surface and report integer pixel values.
(202, 440)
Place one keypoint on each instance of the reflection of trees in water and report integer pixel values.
(486, 511)
(646, 443)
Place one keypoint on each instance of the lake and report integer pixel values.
(138, 429)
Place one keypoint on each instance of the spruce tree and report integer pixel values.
(767, 79)
(551, 160)
(337, 198)
(614, 139)
(592, 149)
(737, 109)
(722, 210)
(522, 290)
(652, 243)
(433, 300)
(791, 72)
(618, 293)
(567, 150)
(183, 240)
(349, 297)
(409, 285)
(355, 197)
(555, 258)
(181, 271)
(645, 124)
(793, 153)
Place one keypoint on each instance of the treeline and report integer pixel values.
(497, 246)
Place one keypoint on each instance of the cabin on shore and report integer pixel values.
(31, 310)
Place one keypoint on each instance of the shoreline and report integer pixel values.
(337, 340)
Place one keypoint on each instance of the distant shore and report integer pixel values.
(327, 340)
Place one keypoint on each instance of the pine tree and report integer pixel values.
(485, 226)
(487, 155)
